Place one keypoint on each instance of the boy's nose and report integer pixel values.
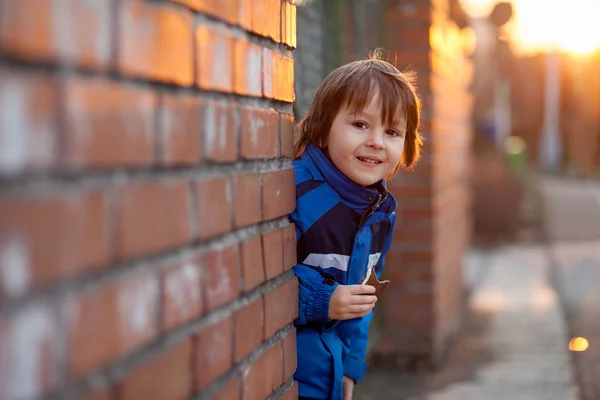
(375, 140)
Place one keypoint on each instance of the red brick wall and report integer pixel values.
(423, 306)
(146, 179)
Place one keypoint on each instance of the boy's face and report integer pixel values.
(362, 147)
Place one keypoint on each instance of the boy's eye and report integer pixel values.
(359, 125)
(393, 132)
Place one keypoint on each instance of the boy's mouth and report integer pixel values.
(369, 160)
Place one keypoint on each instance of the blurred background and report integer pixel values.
(145, 183)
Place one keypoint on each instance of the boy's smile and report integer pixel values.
(362, 146)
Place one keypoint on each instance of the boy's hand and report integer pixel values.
(351, 301)
(348, 387)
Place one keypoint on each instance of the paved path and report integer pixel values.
(514, 346)
(573, 221)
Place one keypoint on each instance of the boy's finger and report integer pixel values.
(360, 308)
(362, 289)
(363, 299)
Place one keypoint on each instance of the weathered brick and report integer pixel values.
(278, 193)
(180, 129)
(108, 124)
(268, 72)
(152, 217)
(289, 355)
(245, 14)
(229, 391)
(167, 376)
(291, 393)
(222, 276)
(260, 133)
(98, 394)
(248, 68)
(31, 331)
(68, 31)
(226, 10)
(221, 131)
(287, 136)
(110, 320)
(28, 131)
(253, 271)
(214, 206)
(214, 58)
(281, 307)
(283, 78)
(289, 247)
(248, 322)
(288, 24)
(273, 253)
(213, 352)
(182, 293)
(264, 375)
(248, 209)
(48, 237)
(156, 42)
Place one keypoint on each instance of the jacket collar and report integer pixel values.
(356, 196)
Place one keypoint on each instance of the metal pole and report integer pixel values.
(551, 145)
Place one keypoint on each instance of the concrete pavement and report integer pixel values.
(514, 345)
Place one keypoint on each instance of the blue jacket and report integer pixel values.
(342, 230)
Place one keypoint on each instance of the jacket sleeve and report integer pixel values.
(314, 291)
(355, 347)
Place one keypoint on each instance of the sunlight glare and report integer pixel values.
(543, 24)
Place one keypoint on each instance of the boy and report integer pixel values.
(361, 127)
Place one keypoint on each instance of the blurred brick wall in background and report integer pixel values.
(424, 304)
(145, 250)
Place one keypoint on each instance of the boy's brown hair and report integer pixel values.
(355, 84)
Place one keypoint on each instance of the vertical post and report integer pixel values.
(551, 146)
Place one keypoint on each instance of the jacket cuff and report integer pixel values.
(321, 294)
(354, 368)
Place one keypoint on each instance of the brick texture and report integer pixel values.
(145, 184)
(432, 232)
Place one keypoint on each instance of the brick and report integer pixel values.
(221, 131)
(283, 78)
(245, 14)
(167, 376)
(417, 256)
(226, 10)
(287, 136)
(156, 42)
(108, 124)
(266, 17)
(253, 271)
(182, 293)
(229, 391)
(289, 247)
(278, 193)
(260, 133)
(68, 31)
(222, 276)
(289, 355)
(108, 321)
(248, 328)
(180, 130)
(273, 253)
(214, 206)
(152, 217)
(213, 354)
(29, 352)
(412, 214)
(291, 393)
(28, 126)
(45, 238)
(99, 394)
(268, 72)
(288, 24)
(248, 68)
(264, 375)
(214, 58)
(248, 208)
(281, 307)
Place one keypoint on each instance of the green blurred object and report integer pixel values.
(516, 153)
